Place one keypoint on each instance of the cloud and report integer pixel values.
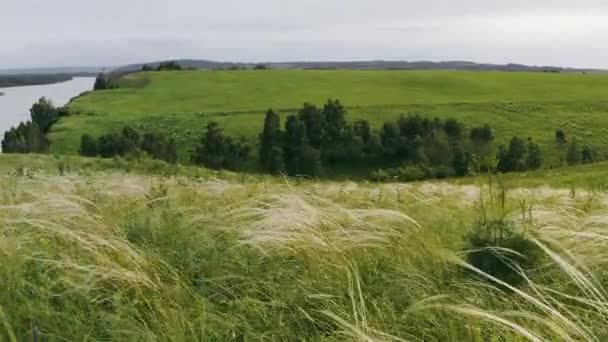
(114, 32)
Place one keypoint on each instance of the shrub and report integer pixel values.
(381, 175)
(481, 135)
(587, 155)
(497, 248)
(574, 154)
(88, 146)
(440, 171)
(560, 137)
(406, 173)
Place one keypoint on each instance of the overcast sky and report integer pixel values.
(45, 33)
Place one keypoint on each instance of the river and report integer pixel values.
(16, 102)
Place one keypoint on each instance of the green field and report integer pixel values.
(181, 103)
(111, 250)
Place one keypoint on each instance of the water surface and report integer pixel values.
(16, 102)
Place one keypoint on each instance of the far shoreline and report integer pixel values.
(38, 80)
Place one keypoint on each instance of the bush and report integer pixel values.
(496, 248)
(441, 171)
(88, 146)
(574, 153)
(560, 137)
(587, 155)
(381, 176)
(406, 173)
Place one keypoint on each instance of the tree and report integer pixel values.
(217, 151)
(314, 119)
(481, 135)
(482, 138)
(261, 67)
(169, 66)
(310, 161)
(271, 154)
(411, 126)
(461, 161)
(390, 138)
(211, 151)
(88, 146)
(146, 67)
(300, 157)
(101, 82)
(335, 121)
(362, 129)
(513, 158)
(574, 154)
(26, 138)
(44, 114)
(534, 159)
(439, 147)
(453, 129)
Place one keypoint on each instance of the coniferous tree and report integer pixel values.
(335, 121)
(271, 155)
(300, 157)
(534, 159)
(461, 161)
(313, 118)
(217, 151)
(513, 158)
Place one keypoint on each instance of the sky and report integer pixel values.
(51, 33)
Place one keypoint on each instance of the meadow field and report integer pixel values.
(181, 103)
(113, 250)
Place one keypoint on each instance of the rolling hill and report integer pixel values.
(356, 65)
(181, 103)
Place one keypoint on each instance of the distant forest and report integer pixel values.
(23, 80)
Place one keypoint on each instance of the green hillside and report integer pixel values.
(525, 104)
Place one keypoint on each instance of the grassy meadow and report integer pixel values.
(181, 103)
(96, 249)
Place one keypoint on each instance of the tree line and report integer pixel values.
(315, 139)
(129, 143)
(30, 136)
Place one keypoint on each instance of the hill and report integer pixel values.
(96, 249)
(356, 65)
(181, 103)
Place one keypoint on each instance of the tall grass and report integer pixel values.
(117, 256)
